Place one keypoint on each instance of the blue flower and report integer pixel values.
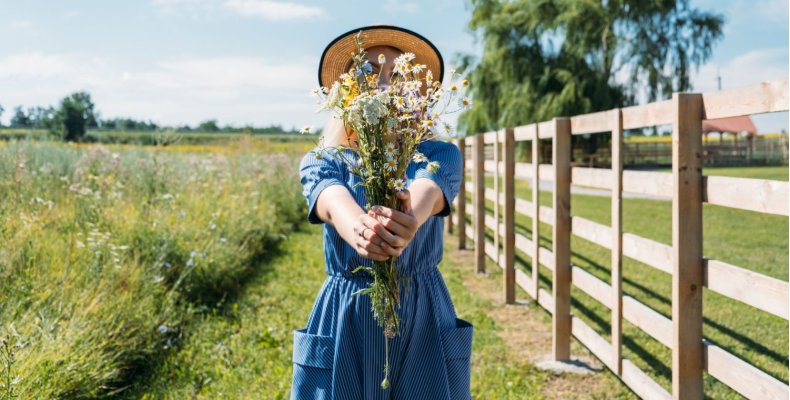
(367, 69)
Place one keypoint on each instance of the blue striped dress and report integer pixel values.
(340, 353)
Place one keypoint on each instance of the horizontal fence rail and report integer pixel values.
(683, 260)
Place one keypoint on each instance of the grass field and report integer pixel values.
(108, 257)
(755, 241)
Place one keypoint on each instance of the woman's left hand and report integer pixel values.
(396, 227)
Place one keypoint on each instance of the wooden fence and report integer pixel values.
(683, 260)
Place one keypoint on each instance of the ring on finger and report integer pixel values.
(362, 233)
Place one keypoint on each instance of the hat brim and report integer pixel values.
(337, 54)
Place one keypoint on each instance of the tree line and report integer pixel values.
(76, 113)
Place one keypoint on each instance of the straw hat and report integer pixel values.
(337, 54)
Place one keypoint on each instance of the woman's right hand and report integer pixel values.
(368, 243)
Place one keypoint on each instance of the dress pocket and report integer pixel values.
(457, 346)
(313, 356)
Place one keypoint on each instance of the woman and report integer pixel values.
(340, 353)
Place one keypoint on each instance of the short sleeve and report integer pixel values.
(317, 173)
(448, 176)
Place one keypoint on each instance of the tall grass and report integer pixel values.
(107, 255)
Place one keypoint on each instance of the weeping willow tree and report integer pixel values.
(548, 58)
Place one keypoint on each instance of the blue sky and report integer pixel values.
(255, 61)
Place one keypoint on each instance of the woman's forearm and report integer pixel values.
(427, 199)
(337, 207)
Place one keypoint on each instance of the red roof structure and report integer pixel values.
(730, 124)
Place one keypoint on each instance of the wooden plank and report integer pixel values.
(524, 207)
(591, 123)
(592, 177)
(592, 231)
(761, 195)
(658, 113)
(525, 132)
(545, 300)
(546, 172)
(546, 129)
(616, 237)
(478, 214)
(561, 235)
(524, 282)
(687, 271)
(644, 386)
(509, 239)
(462, 197)
(764, 97)
(546, 257)
(489, 137)
(755, 289)
(470, 232)
(647, 182)
(645, 318)
(742, 376)
(655, 254)
(594, 287)
(592, 340)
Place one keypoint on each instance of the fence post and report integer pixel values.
(479, 204)
(497, 203)
(454, 205)
(617, 239)
(536, 212)
(687, 269)
(509, 238)
(461, 208)
(561, 238)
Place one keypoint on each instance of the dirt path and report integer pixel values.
(526, 330)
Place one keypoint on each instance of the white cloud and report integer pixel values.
(273, 10)
(237, 90)
(32, 65)
(746, 69)
(395, 6)
(22, 24)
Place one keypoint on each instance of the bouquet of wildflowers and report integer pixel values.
(390, 121)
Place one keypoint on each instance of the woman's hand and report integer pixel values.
(368, 243)
(394, 228)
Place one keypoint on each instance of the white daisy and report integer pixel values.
(433, 166)
(307, 129)
(419, 157)
(398, 184)
(390, 150)
(465, 103)
(391, 165)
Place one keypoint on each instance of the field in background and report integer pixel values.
(109, 255)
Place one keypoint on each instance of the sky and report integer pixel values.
(255, 61)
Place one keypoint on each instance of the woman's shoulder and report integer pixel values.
(431, 146)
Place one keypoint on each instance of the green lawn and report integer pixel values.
(775, 172)
(748, 239)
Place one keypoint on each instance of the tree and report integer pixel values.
(84, 100)
(208, 126)
(20, 119)
(548, 58)
(1, 116)
(71, 119)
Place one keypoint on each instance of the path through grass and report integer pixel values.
(244, 351)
